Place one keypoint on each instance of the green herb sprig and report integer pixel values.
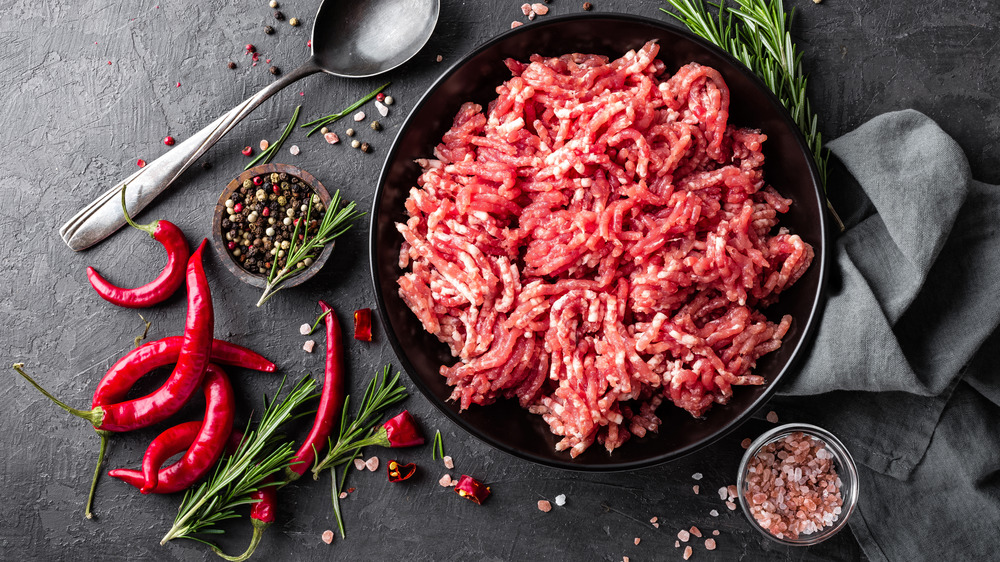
(756, 32)
(382, 392)
(268, 154)
(261, 453)
(437, 448)
(335, 222)
(318, 124)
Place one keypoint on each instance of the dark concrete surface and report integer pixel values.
(71, 124)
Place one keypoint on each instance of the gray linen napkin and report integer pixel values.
(904, 365)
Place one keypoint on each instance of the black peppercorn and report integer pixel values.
(365, 147)
(231, 65)
(226, 223)
(587, 6)
(278, 15)
(206, 165)
(274, 70)
(268, 29)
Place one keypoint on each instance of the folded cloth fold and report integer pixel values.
(899, 360)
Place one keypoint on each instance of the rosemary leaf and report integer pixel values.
(318, 124)
(268, 154)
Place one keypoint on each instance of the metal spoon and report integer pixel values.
(352, 39)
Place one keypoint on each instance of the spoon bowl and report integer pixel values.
(349, 39)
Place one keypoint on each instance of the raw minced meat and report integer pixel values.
(598, 241)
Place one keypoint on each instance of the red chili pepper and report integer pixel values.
(137, 363)
(331, 401)
(400, 431)
(220, 409)
(165, 284)
(183, 381)
(363, 324)
(472, 489)
(399, 472)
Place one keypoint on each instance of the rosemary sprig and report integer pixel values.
(335, 222)
(756, 32)
(262, 453)
(382, 392)
(437, 448)
(273, 149)
(318, 124)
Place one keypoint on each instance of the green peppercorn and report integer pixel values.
(247, 184)
(376, 126)
(365, 147)
(268, 30)
(294, 22)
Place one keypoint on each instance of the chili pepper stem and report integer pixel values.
(258, 533)
(147, 228)
(97, 472)
(95, 416)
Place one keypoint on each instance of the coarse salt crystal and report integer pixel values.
(624, 558)
(525, 9)
(439, 58)
(544, 506)
(294, 150)
(683, 535)
(695, 488)
(637, 539)
(327, 536)
(448, 462)
(514, 24)
(343, 495)
(331, 138)
(383, 109)
(772, 417)
(359, 464)
(656, 525)
(723, 493)
(445, 480)
(687, 552)
(731, 506)
(746, 443)
(308, 346)
(696, 476)
(305, 329)
(264, 144)
(653, 519)
(710, 544)
(359, 116)
(714, 513)
(695, 531)
(540, 9)
(561, 500)
(732, 491)
(372, 464)
(715, 532)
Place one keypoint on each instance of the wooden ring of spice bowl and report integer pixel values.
(219, 243)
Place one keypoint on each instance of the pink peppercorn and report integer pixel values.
(265, 211)
(247, 150)
(250, 48)
(237, 207)
(169, 141)
(257, 180)
(276, 189)
(380, 96)
(141, 163)
(231, 245)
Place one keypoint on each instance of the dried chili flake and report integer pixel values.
(363, 324)
(472, 489)
(398, 472)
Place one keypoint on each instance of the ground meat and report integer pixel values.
(598, 240)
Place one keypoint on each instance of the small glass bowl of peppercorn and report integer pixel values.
(256, 218)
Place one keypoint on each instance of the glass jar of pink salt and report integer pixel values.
(798, 484)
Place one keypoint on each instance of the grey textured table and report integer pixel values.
(95, 85)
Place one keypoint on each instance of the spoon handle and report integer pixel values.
(103, 216)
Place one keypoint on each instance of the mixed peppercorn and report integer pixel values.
(261, 216)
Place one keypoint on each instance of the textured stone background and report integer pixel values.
(71, 124)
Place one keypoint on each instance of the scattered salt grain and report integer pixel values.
(656, 525)
(696, 476)
(531, 16)
(359, 464)
(294, 150)
(383, 110)
(327, 536)
(677, 544)
(714, 513)
(688, 551)
(359, 116)
(514, 24)
(732, 491)
(624, 558)
(731, 506)
(308, 346)
(683, 535)
(654, 519)
(715, 532)
(331, 138)
(445, 480)
(723, 493)
(264, 144)
(544, 506)
(540, 9)
(305, 329)
(448, 462)
(772, 417)
(637, 539)
(372, 464)
(439, 58)
(696, 531)
(525, 9)
(710, 544)
(343, 495)
(746, 443)
(695, 488)
(561, 500)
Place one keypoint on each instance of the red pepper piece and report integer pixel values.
(137, 363)
(472, 489)
(330, 402)
(400, 431)
(165, 284)
(398, 472)
(183, 381)
(220, 409)
(363, 324)
(166, 476)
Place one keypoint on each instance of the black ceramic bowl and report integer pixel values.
(789, 167)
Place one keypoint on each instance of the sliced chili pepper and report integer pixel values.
(472, 489)
(137, 363)
(165, 284)
(167, 477)
(183, 381)
(398, 472)
(220, 409)
(330, 402)
(399, 431)
(363, 324)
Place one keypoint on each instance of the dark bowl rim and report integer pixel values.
(793, 360)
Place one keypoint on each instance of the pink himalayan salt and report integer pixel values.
(683, 535)
(327, 536)
(696, 531)
(688, 551)
(540, 9)
(514, 24)
(710, 544)
(544, 506)
(372, 464)
(525, 9)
